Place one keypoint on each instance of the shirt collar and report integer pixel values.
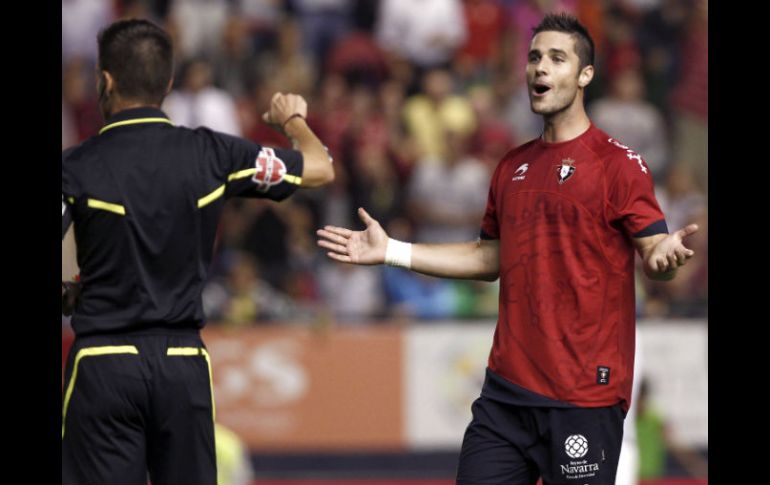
(134, 116)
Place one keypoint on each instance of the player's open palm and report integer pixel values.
(670, 253)
(357, 247)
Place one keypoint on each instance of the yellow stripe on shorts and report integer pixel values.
(90, 352)
(191, 352)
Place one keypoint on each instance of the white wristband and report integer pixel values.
(398, 253)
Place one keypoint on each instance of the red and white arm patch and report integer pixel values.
(270, 169)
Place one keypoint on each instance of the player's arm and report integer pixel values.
(662, 254)
(288, 113)
(478, 260)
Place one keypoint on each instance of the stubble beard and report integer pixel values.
(555, 108)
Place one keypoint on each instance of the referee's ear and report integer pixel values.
(109, 81)
(170, 85)
(105, 85)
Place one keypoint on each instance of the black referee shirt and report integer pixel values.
(145, 198)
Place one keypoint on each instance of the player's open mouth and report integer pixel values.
(540, 89)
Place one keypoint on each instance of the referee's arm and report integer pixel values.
(317, 169)
(288, 112)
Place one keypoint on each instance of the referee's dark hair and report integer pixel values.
(562, 22)
(139, 56)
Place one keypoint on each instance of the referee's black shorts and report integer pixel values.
(515, 445)
(138, 403)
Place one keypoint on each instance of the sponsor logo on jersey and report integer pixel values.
(519, 173)
(565, 170)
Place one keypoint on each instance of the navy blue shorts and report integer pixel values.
(516, 445)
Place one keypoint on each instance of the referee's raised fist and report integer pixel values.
(283, 107)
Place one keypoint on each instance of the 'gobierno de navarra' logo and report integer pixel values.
(576, 446)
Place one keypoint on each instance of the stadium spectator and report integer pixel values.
(628, 116)
(80, 22)
(352, 293)
(241, 298)
(481, 54)
(81, 110)
(235, 66)
(198, 25)
(198, 102)
(288, 66)
(374, 182)
(650, 429)
(424, 33)
(660, 35)
(233, 460)
(427, 116)
(358, 59)
(262, 20)
(493, 137)
(447, 196)
(690, 98)
(322, 23)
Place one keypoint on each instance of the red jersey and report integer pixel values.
(565, 214)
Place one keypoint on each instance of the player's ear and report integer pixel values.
(585, 76)
(170, 85)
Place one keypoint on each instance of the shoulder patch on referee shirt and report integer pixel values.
(270, 169)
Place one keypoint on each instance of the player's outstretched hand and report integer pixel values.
(357, 247)
(669, 254)
(283, 107)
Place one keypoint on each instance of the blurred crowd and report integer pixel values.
(417, 101)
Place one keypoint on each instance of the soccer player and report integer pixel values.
(564, 215)
(145, 197)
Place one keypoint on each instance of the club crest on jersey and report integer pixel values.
(270, 170)
(566, 169)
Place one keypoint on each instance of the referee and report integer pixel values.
(145, 197)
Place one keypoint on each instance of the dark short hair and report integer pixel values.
(139, 56)
(562, 22)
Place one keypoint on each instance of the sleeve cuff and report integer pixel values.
(658, 227)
